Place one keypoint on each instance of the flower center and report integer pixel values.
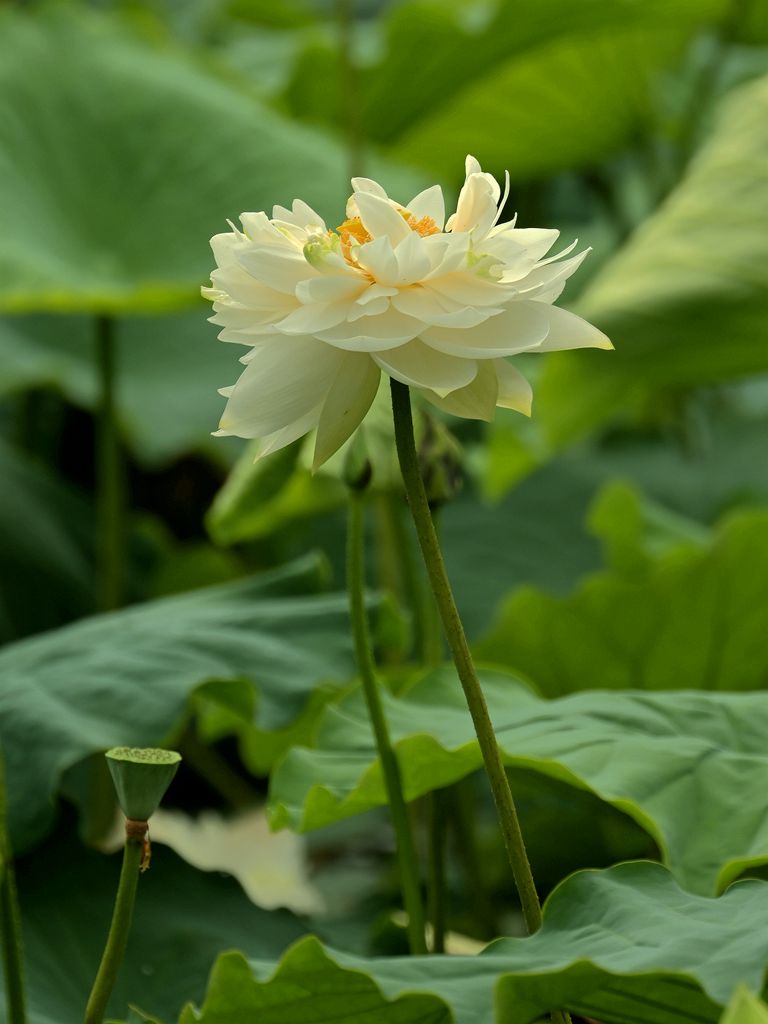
(353, 232)
(425, 226)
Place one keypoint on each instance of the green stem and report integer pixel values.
(406, 853)
(457, 641)
(109, 489)
(117, 940)
(462, 658)
(438, 835)
(10, 922)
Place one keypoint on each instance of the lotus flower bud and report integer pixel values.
(357, 464)
(441, 459)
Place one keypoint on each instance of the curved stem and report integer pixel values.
(117, 940)
(109, 498)
(462, 659)
(406, 853)
(457, 641)
(10, 922)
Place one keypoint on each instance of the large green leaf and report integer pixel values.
(544, 84)
(624, 945)
(44, 548)
(688, 767)
(184, 919)
(535, 533)
(548, 109)
(311, 988)
(118, 162)
(696, 616)
(125, 678)
(685, 300)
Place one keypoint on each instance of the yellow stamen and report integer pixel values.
(353, 232)
(425, 226)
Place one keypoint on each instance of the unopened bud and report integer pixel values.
(357, 464)
(441, 460)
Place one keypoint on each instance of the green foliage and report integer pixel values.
(87, 98)
(745, 1008)
(564, 127)
(183, 919)
(260, 498)
(695, 617)
(625, 945)
(128, 136)
(671, 760)
(685, 300)
(527, 72)
(535, 533)
(81, 689)
(322, 989)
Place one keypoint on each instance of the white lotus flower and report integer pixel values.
(438, 305)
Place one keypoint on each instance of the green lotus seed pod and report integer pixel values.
(141, 777)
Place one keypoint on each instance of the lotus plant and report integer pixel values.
(437, 305)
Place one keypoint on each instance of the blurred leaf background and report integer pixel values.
(616, 540)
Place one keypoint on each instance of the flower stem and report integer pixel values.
(462, 659)
(457, 641)
(117, 940)
(109, 484)
(10, 922)
(406, 853)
